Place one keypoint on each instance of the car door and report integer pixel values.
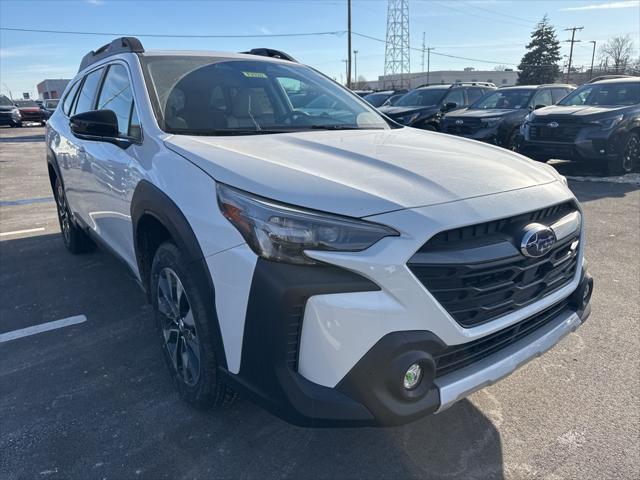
(71, 151)
(110, 180)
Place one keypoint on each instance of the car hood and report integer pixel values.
(580, 111)
(363, 172)
(399, 111)
(480, 113)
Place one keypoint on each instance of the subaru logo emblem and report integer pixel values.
(537, 240)
(553, 124)
(459, 122)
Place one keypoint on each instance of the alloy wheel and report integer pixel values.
(178, 327)
(631, 154)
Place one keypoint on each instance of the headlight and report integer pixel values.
(490, 122)
(608, 123)
(282, 233)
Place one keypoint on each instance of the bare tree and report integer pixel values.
(617, 52)
(361, 83)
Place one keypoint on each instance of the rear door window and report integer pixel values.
(68, 100)
(87, 96)
(474, 94)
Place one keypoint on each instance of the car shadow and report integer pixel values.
(96, 399)
(25, 139)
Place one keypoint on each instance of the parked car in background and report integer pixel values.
(599, 122)
(362, 93)
(385, 97)
(9, 113)
(496, 118)
(424, 106)
(30, 111)
(48, 107)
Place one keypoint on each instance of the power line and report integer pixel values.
(168, 35)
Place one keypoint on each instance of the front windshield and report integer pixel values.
(504, 99)
(376, 99)
(610, 94)
(422, 97)
(213, 96)
(26, 103)
(5, 102)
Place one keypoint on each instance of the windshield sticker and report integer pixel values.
(254, 74)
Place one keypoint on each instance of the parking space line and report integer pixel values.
(43, 327)
(25, 201)
(20, 232)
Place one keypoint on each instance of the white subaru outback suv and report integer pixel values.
(335, 267)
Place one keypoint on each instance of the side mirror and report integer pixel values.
(450, 106)
(97, 125)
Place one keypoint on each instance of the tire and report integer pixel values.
(629, 160)
(73, 237)
(512, 141)
(16, 124)
(185, 333)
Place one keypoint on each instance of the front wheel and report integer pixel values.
(185, 333)
(513, 142)
(629, 160)
(16, 124)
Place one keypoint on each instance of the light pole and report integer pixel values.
(355, 67)
(348, 43)
(346, 66)
(429, 62)
(593, 56)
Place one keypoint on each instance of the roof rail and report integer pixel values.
(481, 84)
(269, 52)
(119, 45)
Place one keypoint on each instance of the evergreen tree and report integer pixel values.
(540, 63)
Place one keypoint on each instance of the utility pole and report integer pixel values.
(355, 67)
(346, 67)
(429, 62)
(348, 43)
(572, 41)
(593, 56)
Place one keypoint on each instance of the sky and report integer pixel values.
(489, 32)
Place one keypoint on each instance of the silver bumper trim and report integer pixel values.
(462, 383)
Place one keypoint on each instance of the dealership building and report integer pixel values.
(51, 88)
(499, 78)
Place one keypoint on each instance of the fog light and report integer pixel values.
(412, 377)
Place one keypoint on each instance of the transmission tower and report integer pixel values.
(397, 53)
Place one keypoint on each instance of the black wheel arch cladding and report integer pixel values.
(150, 200)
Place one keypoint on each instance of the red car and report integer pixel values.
(30, 111)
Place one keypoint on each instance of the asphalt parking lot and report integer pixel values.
(94, 400)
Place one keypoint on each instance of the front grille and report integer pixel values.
(469, 127)
(478, 274)
(566, 130)
(459, 356)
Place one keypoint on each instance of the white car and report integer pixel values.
(338, 270)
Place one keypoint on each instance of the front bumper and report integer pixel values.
(589, 144)
(326, 345)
